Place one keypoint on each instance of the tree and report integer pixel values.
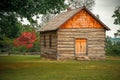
(116, 16)
(29, 8)
(117, 34)
(72, 4)
(10, 10)
(9, 27)
(46, 17)
(112, 48)
(26, 39)
(79, 3)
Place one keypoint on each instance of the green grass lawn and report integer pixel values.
(33, 68)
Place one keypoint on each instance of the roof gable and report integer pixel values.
(81, 20)
(62, 18)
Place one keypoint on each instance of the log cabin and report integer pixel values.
(75, 34)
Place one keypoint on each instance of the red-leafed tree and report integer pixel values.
(26, 39)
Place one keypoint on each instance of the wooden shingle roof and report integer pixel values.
(61, 18)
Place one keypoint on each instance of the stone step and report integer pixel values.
(82, 58)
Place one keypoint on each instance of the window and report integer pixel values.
(44, 41)
(50, 41)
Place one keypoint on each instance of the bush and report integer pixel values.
(18, 50)
(35, 48)
(6, 44)
(113, 48)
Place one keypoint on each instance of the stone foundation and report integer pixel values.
(49, 56)
(72, 57)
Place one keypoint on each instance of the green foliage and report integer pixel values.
(10, 10)
(29, 8)
(117, 34)
(20, 49)
(116, 16)
(36, 47)
(27, 28)
(9, 27)
(6, 44)
(112, 48)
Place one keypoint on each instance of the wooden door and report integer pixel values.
(80, 46)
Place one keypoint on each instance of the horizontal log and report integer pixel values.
(82, 30)
(65, 52)
(73, 36)
(77, 32)
(93, 45)
(48, 49)
(96, 39)
(65, 39)
(65, 48)
(47, 45)
(96, 52)
(65, 43)
(66, 55)
(47, 40)
(53, 44)
(42, 43)
(81, 35)
(96, 43)
(43, 51)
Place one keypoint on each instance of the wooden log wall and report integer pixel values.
(95, 41)
(81, 25)
(48, 51)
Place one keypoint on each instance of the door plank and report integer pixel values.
(80, 46)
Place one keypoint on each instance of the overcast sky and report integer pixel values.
(105, 9)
